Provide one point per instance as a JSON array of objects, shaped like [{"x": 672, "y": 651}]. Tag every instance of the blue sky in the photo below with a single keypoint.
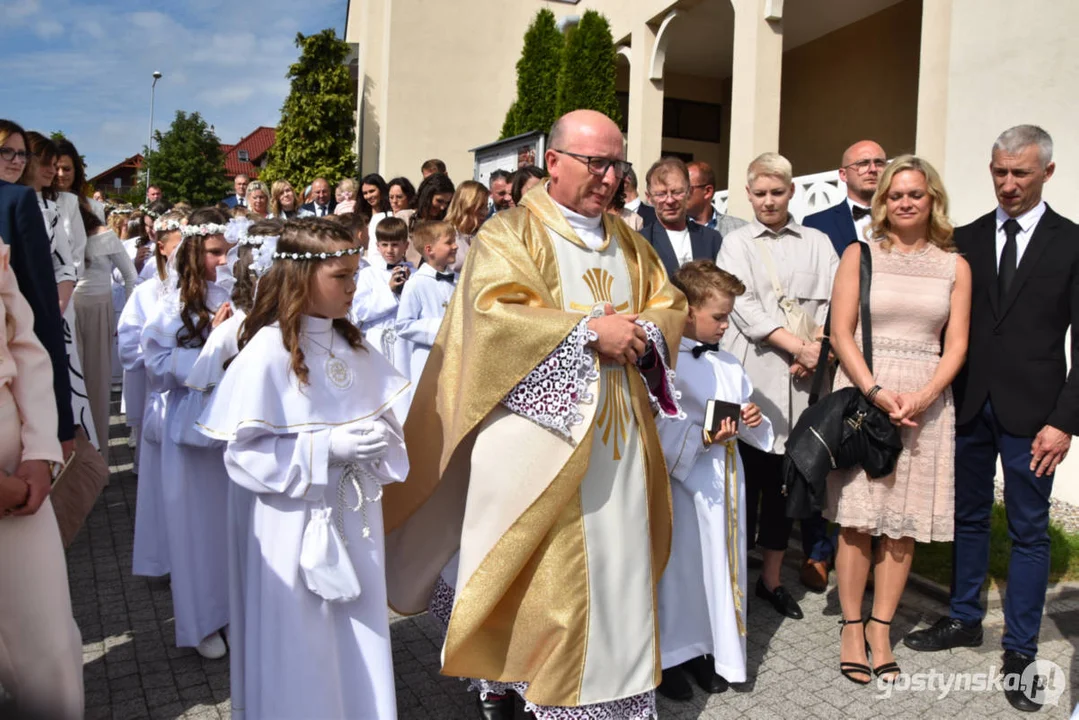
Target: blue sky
[{"x": 84, "y": 66}]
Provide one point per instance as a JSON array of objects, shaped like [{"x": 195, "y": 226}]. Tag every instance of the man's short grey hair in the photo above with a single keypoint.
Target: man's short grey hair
[
  {"x": 1016, "y": 139},
  {"x": 556, "y": 137}
]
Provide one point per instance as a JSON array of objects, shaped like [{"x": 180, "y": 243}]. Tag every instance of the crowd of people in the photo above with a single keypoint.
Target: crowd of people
[{"x": 546, "y": 411}]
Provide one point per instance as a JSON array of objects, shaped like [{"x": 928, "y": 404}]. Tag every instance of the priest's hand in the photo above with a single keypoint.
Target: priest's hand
[{"x": 619, "y": 338}]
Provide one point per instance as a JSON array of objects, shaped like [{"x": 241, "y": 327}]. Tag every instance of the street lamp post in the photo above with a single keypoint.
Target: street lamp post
[{"x": 150, "y": 146}]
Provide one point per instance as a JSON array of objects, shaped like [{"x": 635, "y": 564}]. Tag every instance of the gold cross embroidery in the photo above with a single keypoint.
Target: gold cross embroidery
[{"x": 599, "y": 282}]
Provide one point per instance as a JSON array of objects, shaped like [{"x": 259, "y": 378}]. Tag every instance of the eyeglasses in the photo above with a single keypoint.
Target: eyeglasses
[
  {"x": 862, "y": 166},
  {"x": 662, "y": 196},
  {"x": 11, "y": 154},
  {"x": 600, "y": 165}
]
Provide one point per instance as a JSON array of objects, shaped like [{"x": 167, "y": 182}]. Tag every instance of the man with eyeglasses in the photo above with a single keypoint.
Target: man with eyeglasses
[
  {"x": 702, "y": 191},
  {"x": 862, "y": 165},
  {"x": 676, "y": 238},
  {"x": 536, "y": 507}
]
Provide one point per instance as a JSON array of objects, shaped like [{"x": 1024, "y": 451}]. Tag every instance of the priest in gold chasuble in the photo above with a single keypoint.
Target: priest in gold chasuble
[{"x": 537, "y": 479}]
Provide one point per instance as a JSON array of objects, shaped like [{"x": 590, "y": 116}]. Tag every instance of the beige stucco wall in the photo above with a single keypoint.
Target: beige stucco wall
[
  {"x": 860, "y": 81},
  {"x": 1002, "y": 64}
]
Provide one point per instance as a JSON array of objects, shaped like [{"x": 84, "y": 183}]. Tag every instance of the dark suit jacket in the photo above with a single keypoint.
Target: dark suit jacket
[
  {"x": 232, "y": 200},
  {"x": 23, "y": 229},
  {"x": 310, "y": 207},
  {"x": 704, "y": 241},
  {"x": 647, "y": 213},
  {"x": 1016, "y": 355},
  {"x": 837, "y": 223}
]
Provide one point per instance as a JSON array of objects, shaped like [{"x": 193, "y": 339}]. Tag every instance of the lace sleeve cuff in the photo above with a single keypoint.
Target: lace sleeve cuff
[
  {"x": 552, "y": 393},
  {"x": 655, "y": 369}
]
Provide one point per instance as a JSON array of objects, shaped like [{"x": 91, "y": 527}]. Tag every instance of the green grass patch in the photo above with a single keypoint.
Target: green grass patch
[{"x": 934, "y": 560}]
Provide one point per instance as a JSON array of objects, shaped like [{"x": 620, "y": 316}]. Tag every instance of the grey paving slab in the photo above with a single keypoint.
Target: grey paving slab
[{"x": 133, "y": 670}]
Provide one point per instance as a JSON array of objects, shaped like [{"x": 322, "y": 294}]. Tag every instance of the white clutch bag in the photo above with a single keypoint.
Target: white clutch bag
[{"x": 324, "y": 561}]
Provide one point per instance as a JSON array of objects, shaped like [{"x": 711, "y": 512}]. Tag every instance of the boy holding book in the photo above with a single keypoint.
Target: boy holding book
[{"x": 702, "y": 592}]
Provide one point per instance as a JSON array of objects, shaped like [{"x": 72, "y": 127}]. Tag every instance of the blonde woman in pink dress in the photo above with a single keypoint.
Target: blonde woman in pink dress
[{"x": 920, "y": 306}]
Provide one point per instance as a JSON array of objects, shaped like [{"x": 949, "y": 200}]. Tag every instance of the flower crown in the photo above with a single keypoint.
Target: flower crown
[
  {"x": 206, "y": 229},
  {"x": 316, "y": 256},
  {"x": 169, "y": 225},
  {"x": 236, "y": 234},
  {"x": 145, "y": 209}
]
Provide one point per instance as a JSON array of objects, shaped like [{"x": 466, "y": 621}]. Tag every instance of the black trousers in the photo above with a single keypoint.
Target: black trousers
[{"x": 769, "y": 528}]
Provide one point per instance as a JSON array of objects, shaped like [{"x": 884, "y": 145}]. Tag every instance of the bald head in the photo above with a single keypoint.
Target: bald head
[
  {"x": 575, "y": 135},
  {"x": 860, "y": 169}
]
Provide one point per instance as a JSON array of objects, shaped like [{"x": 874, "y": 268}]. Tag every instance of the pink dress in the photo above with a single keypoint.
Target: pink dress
[{"x": 910, "y": 301}]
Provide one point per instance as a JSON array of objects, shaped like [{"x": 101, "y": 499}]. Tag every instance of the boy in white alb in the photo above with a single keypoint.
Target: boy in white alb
[
  {"x": 378, "y": 293},
  {"x": 702, "y": 591},
  {"x": 425, "y": 298}
]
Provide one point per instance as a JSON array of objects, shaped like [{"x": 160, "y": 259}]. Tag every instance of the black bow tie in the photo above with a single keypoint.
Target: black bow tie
[
  {"x": 448, "y": 277},
  {"x": 703, "y": 348},
  {"x": 859, "y": 212}
]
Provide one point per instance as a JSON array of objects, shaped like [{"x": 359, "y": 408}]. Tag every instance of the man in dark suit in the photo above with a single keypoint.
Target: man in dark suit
[
  {"x": 239, "y": 184},
  {"x": 861, "y": 167},
  {"x": 1014, "y": 399},
  {"x": 676, "y": 239},
  {"x": 23, "y": 229},
  {"x": 322, "y": 200}
]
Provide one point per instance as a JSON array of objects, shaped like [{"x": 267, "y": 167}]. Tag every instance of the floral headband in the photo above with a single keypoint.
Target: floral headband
[
  {"x": 236, "y": 234},
  {"x": 316, "y": 256},
  {"x": 263, "y": 252},
  {"x": 205, "y": 229},
  {"x": 145, "y": 209},
  {"x": 169, "y": 225}
]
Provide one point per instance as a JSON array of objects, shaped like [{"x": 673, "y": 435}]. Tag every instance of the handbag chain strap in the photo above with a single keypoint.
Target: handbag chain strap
[{"x": 865, "y": 279}]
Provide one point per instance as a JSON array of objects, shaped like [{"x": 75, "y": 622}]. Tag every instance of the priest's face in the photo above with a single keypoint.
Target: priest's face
[
  {"x": 332, "y": 287},
  {"x": 587, "y": 140},
  {"x": 710, "y": 320}
]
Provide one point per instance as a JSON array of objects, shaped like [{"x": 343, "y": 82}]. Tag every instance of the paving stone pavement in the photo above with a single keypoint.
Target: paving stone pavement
[{"x": 133, "y": 669}]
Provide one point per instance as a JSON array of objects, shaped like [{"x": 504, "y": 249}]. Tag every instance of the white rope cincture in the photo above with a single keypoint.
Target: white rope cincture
[{"x": 357, "y": 477}]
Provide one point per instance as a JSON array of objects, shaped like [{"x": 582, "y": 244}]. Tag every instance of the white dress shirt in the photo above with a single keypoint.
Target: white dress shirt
[
  {"x": 861, "y": 223},
  {"x": 1027, "y": 222}
]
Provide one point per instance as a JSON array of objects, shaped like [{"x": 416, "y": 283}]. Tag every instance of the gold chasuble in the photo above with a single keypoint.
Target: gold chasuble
[{"x": 562, "y": 537}]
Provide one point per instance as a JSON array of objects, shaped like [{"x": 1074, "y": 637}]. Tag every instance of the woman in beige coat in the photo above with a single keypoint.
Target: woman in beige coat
[{"x": 40, "y": 645}]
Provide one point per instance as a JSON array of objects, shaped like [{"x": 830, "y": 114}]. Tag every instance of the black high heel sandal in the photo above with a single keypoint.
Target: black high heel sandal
[
  {"x": 885, "y": 668},
  {"x": 851, "y": 669}
]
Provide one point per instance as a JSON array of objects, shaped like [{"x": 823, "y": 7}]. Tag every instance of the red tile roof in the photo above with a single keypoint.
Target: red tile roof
[
  {"x": 135, "y": 161},
  {"x": 256, "y": 144}
]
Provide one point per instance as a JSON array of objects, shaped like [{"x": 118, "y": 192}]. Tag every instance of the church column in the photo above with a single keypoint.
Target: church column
[
  {"x": 645, "y": 121},
  {"x": 755, "y": 86},
  {"x": 933, "y": 72}
]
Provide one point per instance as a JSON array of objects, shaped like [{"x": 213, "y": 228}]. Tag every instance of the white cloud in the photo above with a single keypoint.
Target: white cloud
[
  {"x": 19, "y": 9},
  {"x": 48, "y": 29}
]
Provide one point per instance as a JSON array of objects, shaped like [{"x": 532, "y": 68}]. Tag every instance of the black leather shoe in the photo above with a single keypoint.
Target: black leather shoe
[
  {"x": 780, "y": 599},
  {"x": 703, "y": 671},
  {"x": 945, "y": 634},
  {"x": 675, "y": 685},
  {"x": 1014, "y": 664},
  {"x": 496, "y": 707}
]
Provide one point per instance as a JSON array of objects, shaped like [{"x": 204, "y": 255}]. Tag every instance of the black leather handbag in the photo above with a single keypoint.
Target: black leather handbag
[{"x": 841, "y": 430}]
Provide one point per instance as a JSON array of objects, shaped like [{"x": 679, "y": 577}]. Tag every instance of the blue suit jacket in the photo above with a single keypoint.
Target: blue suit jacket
[
  {"x": 837, "y": 223},
  {"x": 23, "y": 229},
  {"x": 231, "y": 200},
  {"x": 704, "y": 241}
]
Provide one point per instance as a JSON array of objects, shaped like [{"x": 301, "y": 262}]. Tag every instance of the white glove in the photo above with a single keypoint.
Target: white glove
[{"x": 359, "y": 442}]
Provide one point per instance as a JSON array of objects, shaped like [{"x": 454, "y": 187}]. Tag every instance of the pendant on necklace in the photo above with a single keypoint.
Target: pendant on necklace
[{"x": 338, "y": 373}]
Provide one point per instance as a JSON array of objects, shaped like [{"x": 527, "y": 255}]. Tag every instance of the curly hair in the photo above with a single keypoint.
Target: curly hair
[
  {"x": 243, "y": 292},
  {"x": 469, "y": 198},
  {"x": 940, "y": 230},
  {"x": 285, "y": 291},
  {"x": 195, "y": 315}
]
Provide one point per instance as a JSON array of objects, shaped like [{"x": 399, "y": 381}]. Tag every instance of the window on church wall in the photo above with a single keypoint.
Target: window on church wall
[{"x": 682, "y": 119}]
